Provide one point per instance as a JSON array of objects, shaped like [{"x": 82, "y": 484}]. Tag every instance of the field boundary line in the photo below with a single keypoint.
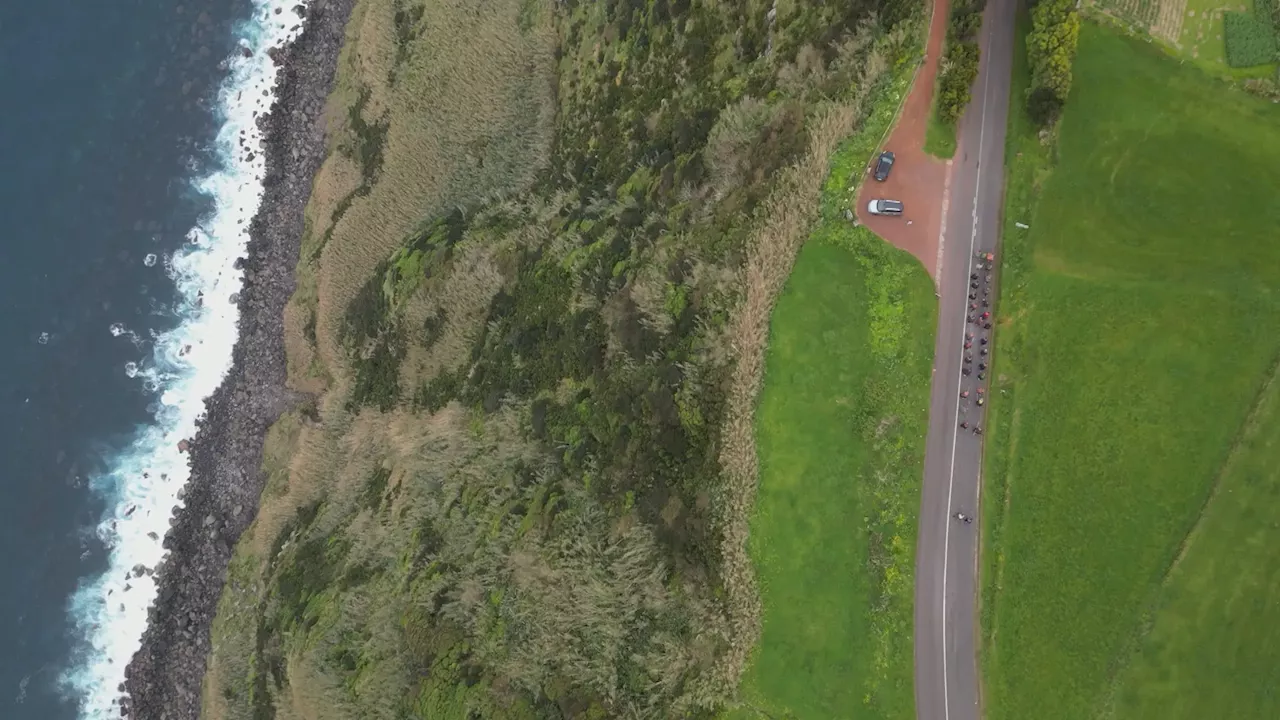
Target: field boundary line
[{"x": 1247, "y": 429}]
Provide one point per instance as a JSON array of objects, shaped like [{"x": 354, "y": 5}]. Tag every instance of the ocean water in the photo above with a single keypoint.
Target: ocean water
[{"x": 126, "y": 186}]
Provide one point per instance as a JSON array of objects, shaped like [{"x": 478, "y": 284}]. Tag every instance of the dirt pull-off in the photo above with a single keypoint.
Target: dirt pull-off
[{"x": 918, "y": 179}]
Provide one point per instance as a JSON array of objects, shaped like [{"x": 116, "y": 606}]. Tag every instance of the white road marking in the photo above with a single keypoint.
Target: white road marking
[{"x": 955, "y": 424}]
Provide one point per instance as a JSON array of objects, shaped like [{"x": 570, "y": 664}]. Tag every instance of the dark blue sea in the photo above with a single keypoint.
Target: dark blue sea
[{"x": 124, "y": 195}]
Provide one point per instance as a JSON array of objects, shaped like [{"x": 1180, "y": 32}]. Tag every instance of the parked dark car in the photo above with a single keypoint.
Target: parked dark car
[
  {"x": 883, "y": 165},
  {"x": 885, "y": 207}
]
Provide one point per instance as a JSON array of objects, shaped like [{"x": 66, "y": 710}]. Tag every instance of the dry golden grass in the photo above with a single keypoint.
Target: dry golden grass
[
  {"x": 311, "y": 695},
  {"x": 471, "y": 116},
  {"x": 468, "y": 110},
  {"x": 212, "y": 704},
  {"x": 307, "y": 477},
  {"x": 788, "y": 214},
  {"x": 464, "y": 294}
]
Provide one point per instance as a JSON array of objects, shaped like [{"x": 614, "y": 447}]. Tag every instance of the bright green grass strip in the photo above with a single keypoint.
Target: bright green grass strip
[
  {"x": 1140, "y": 323},
  {"x": 841, "y": 431},
  {"x": 939, "y": 138},
  {"x": 1026, "y": 165},
  {"x": 809, "y": 555},
  {"x": 841, "y": 427}
]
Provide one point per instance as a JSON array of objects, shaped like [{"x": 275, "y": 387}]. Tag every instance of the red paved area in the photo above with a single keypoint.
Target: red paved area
[{"x": 918, "y": 179}]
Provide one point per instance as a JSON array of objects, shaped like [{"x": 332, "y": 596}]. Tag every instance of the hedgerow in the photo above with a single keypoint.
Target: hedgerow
[
  {"x": 960, "y": 61},
  {"x": 1051, "y": 50}
]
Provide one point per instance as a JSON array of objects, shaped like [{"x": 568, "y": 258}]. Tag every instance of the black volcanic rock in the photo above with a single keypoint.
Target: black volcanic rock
[{"x": 163, "y": 680}]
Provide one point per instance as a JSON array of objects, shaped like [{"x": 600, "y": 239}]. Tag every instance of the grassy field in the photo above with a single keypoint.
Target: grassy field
[
  {"x": 840, "y": 427},
  {"x": 1139, "y": 327},
  {"x": 1213, "y": 646}
]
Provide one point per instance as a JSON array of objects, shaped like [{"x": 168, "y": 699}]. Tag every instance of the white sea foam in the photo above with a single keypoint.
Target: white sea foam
[{"x": 186, "y": 365}]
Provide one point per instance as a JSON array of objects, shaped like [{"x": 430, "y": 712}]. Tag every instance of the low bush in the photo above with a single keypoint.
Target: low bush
[
  {"x": 1266, "y": 88},
  {"x": 960, "y": 60},
  {"x": 966, "y": 20},
  {"x": 1249, "y": 41},
  {"x": 959, "y": 70}
]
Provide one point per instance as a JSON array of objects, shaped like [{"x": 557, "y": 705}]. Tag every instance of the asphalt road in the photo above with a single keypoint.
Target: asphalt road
[{"x": 947, "y": 551}]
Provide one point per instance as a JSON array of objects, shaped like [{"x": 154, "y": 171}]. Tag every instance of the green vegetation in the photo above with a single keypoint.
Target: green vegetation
[
  {"x": 538, "y": 267},
  {"x": 939, "y": 137},
  {"x": 841, "y": 429},
  {"x": 960, "y": 62},
  {"x": 1139, "y": 336},
  {"x": 1268, "y": 12},
  {"x": 1249, "y": 40},
  {"x": 1211, "y": 647},
  {"x": 1051, "y": 49}
]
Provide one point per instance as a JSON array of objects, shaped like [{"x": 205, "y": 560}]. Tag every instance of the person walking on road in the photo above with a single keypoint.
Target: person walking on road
[{"x": 963, "y": 518}]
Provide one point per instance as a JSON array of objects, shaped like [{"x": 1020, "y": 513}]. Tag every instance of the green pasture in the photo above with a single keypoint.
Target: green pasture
[
  {"x": 1140, "y": 323},
  {"x": 840, "y": 428}
]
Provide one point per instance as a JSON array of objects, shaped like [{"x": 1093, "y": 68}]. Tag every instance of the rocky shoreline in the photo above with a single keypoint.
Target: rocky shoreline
[{"x": 163, "y": 680}]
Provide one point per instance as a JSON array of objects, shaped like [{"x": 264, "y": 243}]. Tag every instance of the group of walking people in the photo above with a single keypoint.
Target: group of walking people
[
  {"x": 977, "y": 338},
  {"x": 977, "y": 349}
]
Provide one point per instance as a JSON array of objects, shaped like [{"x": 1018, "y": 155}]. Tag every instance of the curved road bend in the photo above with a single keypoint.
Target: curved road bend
[{"x": 947, "y": 550}]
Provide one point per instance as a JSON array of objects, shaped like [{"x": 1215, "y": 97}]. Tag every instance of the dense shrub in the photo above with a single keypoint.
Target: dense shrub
[
  {"x": 960, "y": 61},
  {"x": 1043, "y": 105},
  {"x": 1267, "y": 11},
  {"x": 966, "y": 20},
  {"x": 1051, "y": 49},
  {"x": 1249, "y": 41},
  {"x": 959, "y": 69}
]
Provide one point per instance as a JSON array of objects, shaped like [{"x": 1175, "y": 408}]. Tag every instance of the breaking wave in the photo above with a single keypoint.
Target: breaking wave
[{"x": 141, "y": 487}]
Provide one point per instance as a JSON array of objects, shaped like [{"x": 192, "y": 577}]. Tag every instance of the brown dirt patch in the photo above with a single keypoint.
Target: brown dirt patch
[{"x": 918, "y": 179}]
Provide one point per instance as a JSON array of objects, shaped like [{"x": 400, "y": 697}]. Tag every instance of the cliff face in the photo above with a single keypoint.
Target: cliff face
[
  {"x": 512, "y": 288},
  {"x": 163, "y": 680}
]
